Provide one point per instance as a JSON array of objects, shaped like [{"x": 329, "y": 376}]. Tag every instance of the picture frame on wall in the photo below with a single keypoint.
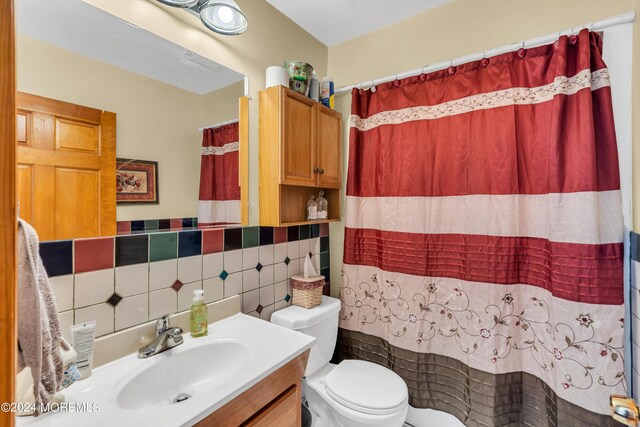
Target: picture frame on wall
[{"x": 136, "y": 182}]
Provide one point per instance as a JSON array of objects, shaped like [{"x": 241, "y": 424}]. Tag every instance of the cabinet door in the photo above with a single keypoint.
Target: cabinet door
[
  {"x": 329, "y": 148},
  {"x": 282, "y": 412},
  {"x": 298, "y": 133}
]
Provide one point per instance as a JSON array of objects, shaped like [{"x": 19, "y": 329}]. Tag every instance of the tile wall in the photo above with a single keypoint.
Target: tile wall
[
  {"x": 127, "y": 280},
  {"x": 635, "y": 315}
]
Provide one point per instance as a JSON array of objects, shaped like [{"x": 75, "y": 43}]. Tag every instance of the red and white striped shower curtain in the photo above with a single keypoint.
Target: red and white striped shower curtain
[
  {"x": 219, "y": 179},
  {"x": 483, "y": 256}
]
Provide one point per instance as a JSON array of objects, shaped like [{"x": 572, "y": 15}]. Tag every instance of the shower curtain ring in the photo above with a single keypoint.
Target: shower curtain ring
[
  {"x": 452, "y": 70},
  {"x": 373, "y": 86},
  {"x": 423, "y": 77}
]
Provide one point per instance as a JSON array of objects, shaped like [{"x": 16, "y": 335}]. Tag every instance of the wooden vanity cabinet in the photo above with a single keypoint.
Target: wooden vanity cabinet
[
  {"x": 274, "y": 401},
  {"x": 300, "y": 154}
]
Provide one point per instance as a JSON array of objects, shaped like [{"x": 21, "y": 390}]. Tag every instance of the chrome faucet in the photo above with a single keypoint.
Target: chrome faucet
[{"x": 166, "y": 337}]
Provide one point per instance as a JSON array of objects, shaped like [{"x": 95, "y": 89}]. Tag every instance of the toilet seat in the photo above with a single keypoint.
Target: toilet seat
[{"x": 366, "y": 387}]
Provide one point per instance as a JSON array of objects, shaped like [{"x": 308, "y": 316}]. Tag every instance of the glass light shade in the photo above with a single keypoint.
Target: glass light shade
[
  {"x": 223, "y": 17},
  {"x": 179, "y": 3}
]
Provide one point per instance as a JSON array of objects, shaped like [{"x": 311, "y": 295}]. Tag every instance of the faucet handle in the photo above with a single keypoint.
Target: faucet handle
[{"x": 163, "y": 324}]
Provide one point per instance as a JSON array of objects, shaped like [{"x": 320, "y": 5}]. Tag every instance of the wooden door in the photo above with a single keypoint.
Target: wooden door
[
  {"x": 298, "y": 135},
  {"x": 329, "y": 148},
  {"x": 8, "y": 225},
  {"x": 66, "y": 168}
]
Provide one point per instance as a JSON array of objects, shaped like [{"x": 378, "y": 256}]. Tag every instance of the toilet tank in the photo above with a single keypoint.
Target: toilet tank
[{"x": 320, "y": 322}]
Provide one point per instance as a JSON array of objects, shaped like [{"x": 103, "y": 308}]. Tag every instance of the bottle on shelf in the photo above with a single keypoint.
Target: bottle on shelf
[
  {"x": 312, "y": 209},
  {"x": 323, "y": 212},
  {"x": 314, "y": 87}
]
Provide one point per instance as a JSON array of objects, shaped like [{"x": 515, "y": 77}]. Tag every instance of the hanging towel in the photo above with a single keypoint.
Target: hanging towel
[{"x": 38, "y": 323}]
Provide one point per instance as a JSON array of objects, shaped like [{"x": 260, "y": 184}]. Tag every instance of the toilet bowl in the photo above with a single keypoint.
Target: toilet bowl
[{"x": 353, "y": 393}]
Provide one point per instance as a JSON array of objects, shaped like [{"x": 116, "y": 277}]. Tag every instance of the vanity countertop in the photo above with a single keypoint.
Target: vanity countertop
[{"x": 240, "y": 351}]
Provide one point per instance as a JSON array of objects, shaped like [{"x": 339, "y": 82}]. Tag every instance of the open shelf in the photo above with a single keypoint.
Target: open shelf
[
  {"x": 293, "y": 204},
  {"x": 318, "y": 221}
]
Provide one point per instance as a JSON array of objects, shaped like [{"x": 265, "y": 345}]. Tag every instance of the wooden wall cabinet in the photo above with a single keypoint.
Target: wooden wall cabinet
[
  {"x": 274, "y": 401},
  {"x": 300, "y": 154}
]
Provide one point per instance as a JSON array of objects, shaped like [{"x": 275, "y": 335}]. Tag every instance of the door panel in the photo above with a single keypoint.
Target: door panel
[
  {"x": 22, "y": 130},
  {"x": 24, "y": 187},
  {"x": 67, "y": 167},
  {"x": 76, "y": 136},
  {"x": 77, "y": 203},
  {"x": 43, "y": 128},
  {"x": 297, "y": 140},
  {"x": 329, "y": 148}
]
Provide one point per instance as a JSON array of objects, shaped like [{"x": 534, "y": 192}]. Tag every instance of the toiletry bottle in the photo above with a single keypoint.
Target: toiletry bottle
[
  {"x": 312, "y": 209},
  {"x": 323, "y": 212},
  {"x": 198, "y": 315},
  {"x": 327, "y": 92},
  {"x": 314, "y": 87}
]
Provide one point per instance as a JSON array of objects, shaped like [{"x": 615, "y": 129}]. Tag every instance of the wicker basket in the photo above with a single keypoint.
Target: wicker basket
[{"x": 307, "y": 293}]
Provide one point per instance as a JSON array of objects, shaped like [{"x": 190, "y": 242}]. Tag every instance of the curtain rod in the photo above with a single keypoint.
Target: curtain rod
[
  {"x": 625, "y": 18},
  {"x": 217, "y": 125}
]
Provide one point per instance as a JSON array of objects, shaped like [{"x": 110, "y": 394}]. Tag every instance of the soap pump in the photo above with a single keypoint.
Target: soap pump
[{"x": 198, "y": 315}]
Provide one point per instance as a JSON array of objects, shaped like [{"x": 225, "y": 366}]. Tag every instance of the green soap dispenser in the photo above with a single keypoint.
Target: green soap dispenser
[{"x": 198, "y": 315}]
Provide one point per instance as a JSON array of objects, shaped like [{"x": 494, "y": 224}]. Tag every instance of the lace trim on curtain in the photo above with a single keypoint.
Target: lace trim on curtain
[
  {"x": 219, "y": 151},
  {"x": 561, "y": 85}
]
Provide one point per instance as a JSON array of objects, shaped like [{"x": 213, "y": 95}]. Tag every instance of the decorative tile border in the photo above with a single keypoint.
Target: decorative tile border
[
  {"x": 156, "y": 225},
  {"x": 128, "y": 280}
]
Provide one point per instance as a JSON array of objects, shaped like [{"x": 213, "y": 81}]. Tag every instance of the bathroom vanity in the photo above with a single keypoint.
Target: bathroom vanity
[{"x": 245, "y": 372}]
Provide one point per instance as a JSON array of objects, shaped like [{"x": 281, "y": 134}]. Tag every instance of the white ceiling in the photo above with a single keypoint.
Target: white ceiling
[
  {"x": 336, "y": 21},
  {"x": 76, "y": 26}
]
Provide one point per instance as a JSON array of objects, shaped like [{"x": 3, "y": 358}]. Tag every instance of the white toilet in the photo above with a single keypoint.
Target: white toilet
[{"x": 353, "y": 393}]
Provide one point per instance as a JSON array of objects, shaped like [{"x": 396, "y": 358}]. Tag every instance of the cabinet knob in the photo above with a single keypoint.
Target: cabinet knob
[
  {"x": 316, "y": 170},
  {"x": 321, "y": 171}
]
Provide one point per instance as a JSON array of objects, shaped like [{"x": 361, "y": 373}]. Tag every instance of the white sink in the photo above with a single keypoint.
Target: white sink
[
  {"x": 238, "y": 353},
  {"x": 186, "y": 373}
]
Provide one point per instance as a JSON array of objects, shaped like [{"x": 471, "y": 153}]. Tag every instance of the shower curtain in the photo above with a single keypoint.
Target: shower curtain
[
  {"x": 483, "y": 256},
  {"x": 219, "y": 179}
]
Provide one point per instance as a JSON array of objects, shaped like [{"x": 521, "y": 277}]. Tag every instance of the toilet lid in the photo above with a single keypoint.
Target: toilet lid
[{"x": 366, "y": 387}]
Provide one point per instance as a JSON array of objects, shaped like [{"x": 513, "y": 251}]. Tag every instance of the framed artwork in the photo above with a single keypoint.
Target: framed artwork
[{"x": 136, "y": 181}]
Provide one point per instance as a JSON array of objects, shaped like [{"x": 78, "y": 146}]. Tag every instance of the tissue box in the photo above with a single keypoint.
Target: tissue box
[{"x": 307, "y": 292}]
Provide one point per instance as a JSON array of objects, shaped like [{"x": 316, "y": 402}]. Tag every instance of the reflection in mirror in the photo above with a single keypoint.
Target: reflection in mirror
[{"x": 96, "y": 94}]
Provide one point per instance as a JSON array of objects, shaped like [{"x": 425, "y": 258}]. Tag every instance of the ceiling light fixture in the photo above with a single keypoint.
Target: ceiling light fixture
[
  {"x": 179, "y": 3},
  {"x": 221, "y": 16}
]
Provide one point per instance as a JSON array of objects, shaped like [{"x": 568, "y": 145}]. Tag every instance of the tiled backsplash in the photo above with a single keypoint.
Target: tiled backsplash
[{"x": 124, "y": 281}]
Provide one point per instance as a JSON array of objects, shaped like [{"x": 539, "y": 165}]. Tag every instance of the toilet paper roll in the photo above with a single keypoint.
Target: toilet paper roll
[{"x": 277, "y": 75}]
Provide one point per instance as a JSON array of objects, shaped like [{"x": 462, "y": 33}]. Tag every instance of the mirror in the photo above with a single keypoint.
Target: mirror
[{"x": 98, "y": 98}]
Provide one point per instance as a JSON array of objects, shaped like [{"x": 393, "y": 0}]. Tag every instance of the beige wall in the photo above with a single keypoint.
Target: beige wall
[
  {"x": 221, "y": 105},
  {"x": 155, "y": 121},
  {"x": 457, "y": 29},
  {"x": 271, "y": 39}
]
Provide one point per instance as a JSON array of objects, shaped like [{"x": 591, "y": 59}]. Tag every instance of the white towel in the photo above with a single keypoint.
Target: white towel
[{"x": 38, "y": 323}]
